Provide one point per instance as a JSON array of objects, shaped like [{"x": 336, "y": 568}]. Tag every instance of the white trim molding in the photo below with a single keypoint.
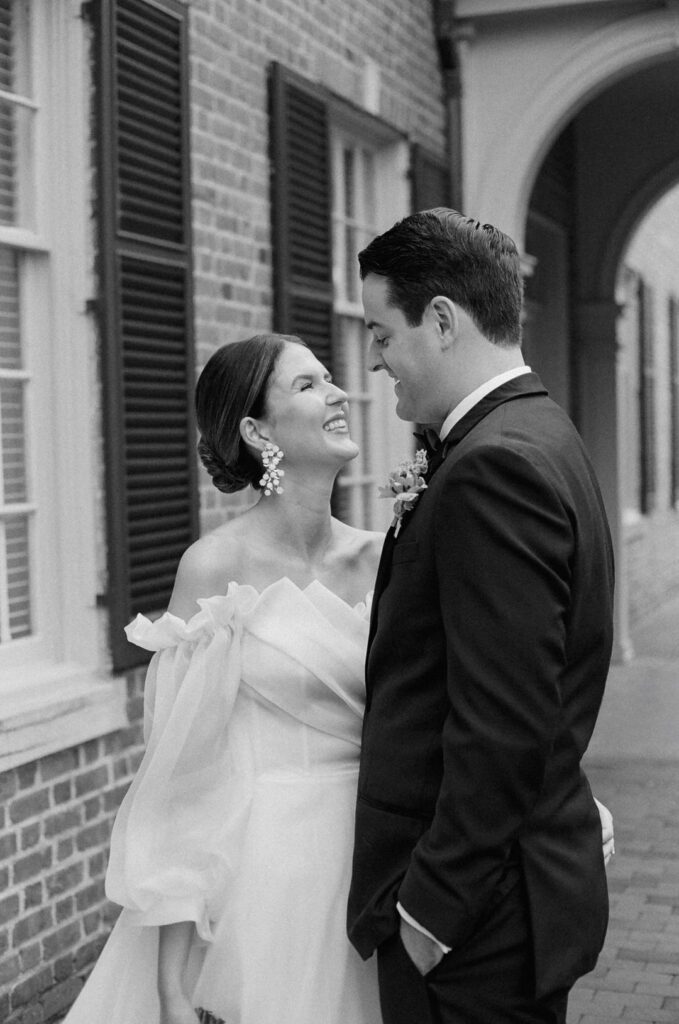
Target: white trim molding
[{"x": 501, "y": 169}]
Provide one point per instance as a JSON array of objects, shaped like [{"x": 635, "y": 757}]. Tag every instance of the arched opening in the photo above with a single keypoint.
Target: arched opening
[
  {"x": 648, "y": 411},
  {"x": 608, "y": 165}
]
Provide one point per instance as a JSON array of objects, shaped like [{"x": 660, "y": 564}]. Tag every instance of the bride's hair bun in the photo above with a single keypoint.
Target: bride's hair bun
[
  {"x": 225, "y": 478},
  {"x": 234, "y": 384}
]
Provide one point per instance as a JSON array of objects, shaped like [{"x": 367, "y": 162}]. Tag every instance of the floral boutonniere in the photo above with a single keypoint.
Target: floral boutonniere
[{"x": 406, "y": 484}]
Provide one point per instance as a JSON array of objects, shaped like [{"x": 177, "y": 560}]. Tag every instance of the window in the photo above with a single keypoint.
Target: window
[
  {"x": 359, "y": 169},
  {"x": 18, "y": 248},
  {"x": 340, "y": 176},
  {"x": 54, "y": 668}
]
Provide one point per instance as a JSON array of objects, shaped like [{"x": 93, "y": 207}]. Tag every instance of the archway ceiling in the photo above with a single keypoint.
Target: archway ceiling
[{"x": 628, "y": 156}]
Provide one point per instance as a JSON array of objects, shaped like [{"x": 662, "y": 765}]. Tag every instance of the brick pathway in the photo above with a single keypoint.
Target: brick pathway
[{"x": 637, "y": 977}]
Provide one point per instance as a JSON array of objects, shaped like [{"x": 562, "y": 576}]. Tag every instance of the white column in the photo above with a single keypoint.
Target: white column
[{"x": 598, "y": 422}]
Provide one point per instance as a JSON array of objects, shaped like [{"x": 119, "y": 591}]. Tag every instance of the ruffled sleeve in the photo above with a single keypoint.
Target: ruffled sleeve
[{"x": 167, "y": 863}]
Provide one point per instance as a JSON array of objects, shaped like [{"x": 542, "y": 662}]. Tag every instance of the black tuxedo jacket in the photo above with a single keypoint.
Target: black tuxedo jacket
[{"x": 489, "y": 648}]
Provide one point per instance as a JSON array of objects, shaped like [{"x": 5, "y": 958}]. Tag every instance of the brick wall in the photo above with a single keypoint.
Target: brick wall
[
  {"x": 55, "y": 822},
  {"x": 234, "y": 41}
]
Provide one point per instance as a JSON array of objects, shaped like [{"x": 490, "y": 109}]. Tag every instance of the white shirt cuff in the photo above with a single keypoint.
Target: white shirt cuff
[{"x": 411, "y": 920}]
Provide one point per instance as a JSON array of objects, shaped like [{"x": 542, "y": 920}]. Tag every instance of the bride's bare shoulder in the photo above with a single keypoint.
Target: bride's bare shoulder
[{"x": 206, "y": 568}]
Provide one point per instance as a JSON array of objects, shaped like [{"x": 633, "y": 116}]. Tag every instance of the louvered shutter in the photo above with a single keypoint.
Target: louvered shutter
[
  {"x": 647, "y": 398},
  {"x": 145, "y": 263},
  {"x": 430, "y": 179},
  {"x": 301, "y": 212},
  {"x": 673, "y": 380}
]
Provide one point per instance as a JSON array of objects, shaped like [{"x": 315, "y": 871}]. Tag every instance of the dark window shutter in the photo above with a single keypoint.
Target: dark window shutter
[
  {"x": 646, "y": 398},
  {"x": 146, "y": 314},
  {"x": 673, "y": 381},
  {"x": 301, "y": 212},
  {"x": 430, "y": 179}
]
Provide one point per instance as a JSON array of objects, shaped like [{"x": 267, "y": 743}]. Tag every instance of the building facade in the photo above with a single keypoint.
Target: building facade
[{"x": 179, "y": 175}]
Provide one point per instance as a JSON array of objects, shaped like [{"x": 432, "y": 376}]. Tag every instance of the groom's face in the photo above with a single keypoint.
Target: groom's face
[{"x": 409, "y": 355}]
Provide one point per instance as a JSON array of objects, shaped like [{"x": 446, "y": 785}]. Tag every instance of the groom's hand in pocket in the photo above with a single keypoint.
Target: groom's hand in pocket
[{"x": 423, "y": 951}]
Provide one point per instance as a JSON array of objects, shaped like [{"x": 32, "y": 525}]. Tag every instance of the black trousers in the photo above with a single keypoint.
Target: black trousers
[{"x": 489, "y": 981}]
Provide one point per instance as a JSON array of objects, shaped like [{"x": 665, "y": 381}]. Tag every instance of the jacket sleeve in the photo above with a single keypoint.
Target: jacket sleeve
[{"x": 503, "y": 541}]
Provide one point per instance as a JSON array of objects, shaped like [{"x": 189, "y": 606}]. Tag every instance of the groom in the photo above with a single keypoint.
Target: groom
[{"x": 478, "y": 873}]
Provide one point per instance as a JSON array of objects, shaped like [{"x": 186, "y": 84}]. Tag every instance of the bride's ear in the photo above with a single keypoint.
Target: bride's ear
[{"x": 251, "y": 432}]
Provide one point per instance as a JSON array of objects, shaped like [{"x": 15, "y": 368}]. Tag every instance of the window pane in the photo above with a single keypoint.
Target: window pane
[
  {"x": 15, "y": 612},
  {"x": 10, "y": 343},
  {"x": 12, "y": 434},
  {"x": 18, "y": 583},
  {"x": 16, "y": 119}
]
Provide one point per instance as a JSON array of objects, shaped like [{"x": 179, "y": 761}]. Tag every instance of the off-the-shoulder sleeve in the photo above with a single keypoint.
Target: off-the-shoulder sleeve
[{"x": 167, "y": 863}]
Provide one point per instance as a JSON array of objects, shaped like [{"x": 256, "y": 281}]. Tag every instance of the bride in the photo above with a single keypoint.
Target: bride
[{"x": 231, "y": 852}]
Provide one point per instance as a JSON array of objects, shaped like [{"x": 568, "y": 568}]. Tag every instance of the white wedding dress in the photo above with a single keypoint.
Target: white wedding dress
[{"x": 240, "y": 817}]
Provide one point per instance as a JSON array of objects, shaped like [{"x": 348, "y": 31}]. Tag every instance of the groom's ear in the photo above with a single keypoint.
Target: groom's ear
[{"x": 446, "y": 319}]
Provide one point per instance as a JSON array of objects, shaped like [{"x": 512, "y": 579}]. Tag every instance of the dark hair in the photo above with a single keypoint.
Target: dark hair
[
  {"x": 441, "y": 252},
  {"x": 234, "y": 383}
]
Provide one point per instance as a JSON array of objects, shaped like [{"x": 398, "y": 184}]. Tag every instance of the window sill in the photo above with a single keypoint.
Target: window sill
[{"x": 62, "y": 706}]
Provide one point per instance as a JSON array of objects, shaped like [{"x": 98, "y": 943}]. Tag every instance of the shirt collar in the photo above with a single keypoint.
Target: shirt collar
[{"x": 463, "y": 407}]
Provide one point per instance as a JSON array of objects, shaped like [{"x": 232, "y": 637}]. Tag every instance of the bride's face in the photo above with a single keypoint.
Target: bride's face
[{"x": 307, "y": 415}]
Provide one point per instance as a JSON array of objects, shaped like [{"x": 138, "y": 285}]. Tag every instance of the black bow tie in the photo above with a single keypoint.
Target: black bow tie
[{"x": 430, "y": 441}]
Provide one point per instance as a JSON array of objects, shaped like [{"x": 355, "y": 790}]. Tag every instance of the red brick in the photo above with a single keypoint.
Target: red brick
[
  {"x": 58, "y": 764},
  {"x": 60, "y": 998},
  {"x": 95, "y": 779},
  {"x": 26, "y": 775},
  {"x": 65, "y": 848},
  {"x": 8, "y": 845},
  {"x": 91, "y": 751},
  {"x": 92, "y": 807},
  {"x": 30, "y": 835},
  {"x": 10, "y": 969},
  {"x": 63, "y": 909},
  {"x": 29, "y": 1015},
  {"x": 29, "y": 806},
  {"x": 27, "y": 990},
  {"x": 97, "y": 864},
  {"x": 30, "y": 956},
  {"x": 94, "y": 835},
  {"x": 62, "y": 821},
  {"x": 9, "y": 908},
  {"x": 31, "y": 925},
  {"x": 33, "y": 864},
  {"x": 114, "y": 797},
  {"x": 62, "y": 792},
  {"x": 91, "y": 894},
  {"x": 91, "y": 921},
  {"x": 65, "y": 879},
  {"x": 88, "y": 953},
  {"x": 58, "y": 942},
  {"x": 33, "y": 895}
]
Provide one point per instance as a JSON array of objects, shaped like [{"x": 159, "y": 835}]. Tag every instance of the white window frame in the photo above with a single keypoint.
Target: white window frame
[
  {"x": 387, "y": 439},
  {"x": 55, "y": 688}
]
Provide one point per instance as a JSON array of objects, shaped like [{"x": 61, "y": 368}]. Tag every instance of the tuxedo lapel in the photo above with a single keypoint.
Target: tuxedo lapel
[
  {"x": 383, "y": 573},
  {"x": 526, "y": 385}
]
